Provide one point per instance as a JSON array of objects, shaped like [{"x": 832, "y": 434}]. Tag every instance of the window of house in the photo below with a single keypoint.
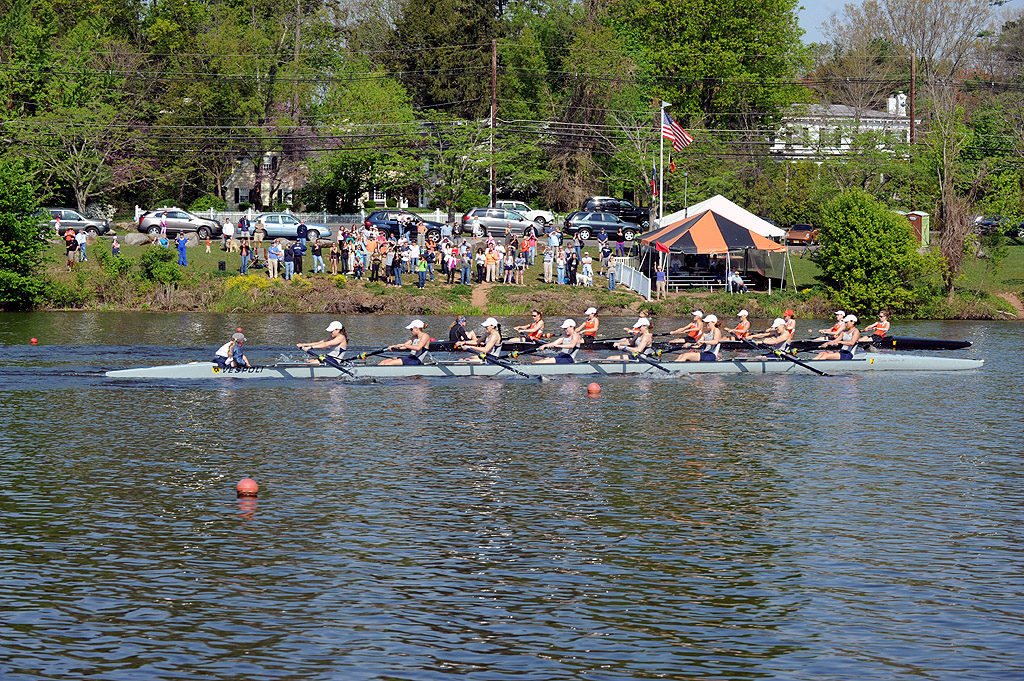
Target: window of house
[{"x": 380, "y": 195}]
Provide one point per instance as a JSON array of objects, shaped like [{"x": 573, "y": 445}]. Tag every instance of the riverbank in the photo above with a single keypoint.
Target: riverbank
[{"x": 107, "y": 283}]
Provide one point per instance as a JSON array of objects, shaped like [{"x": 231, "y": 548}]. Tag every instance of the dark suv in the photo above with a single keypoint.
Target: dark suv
[
  {"x": 391, "y": 222},
  {"x": 620, "y": 207}
]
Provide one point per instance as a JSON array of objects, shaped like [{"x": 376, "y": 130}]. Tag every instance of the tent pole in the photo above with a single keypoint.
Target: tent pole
[{"x": 728, "y": 271}]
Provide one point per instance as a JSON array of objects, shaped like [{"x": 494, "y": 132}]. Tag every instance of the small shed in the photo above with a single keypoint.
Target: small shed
[{"x": 920, "y": 222}]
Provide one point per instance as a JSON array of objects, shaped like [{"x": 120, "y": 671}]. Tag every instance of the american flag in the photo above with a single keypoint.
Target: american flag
[{"x": 671, "y": 130}]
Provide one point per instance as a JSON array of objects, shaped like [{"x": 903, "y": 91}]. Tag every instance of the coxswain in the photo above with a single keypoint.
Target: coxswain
[
  {"x": 777, "y": 337},
  {"x": 337, "y": 342},
  {"x": 830, "y": 334},
  {"x": 742, "y": 328},
  {"x": 458, "y": 333},
  {"x": 845, "y": 343},
  {"x": 418, "y": 346},
  {"x": 533, "y": 331},
  {"x": 590, "y": 327},
  {"x": 567, "y": 346},
  {"x": 693, "y": 330},
  {"x": 710, "y": 343},
  {"x": 490, "y": 346},
  {"x": 230, "y": 354},
  {"x": 790, "y": 318},
  {"x": 879, "y": 328},
  {"x": 640, "y": 344}
]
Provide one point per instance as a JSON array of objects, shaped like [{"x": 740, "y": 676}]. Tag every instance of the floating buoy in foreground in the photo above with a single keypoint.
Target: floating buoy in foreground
[
  {"x": 247, "y": 487},
  {"x": 238, "y": 330},
  {"x": 594, "y": 389},
  {"x": 33, "y": 341}
]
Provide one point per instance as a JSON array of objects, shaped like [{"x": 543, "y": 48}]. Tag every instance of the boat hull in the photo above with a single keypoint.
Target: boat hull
[{"x": 867, "y": 362}]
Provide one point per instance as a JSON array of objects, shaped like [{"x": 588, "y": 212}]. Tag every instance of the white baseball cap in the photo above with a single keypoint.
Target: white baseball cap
[
  {"x": 742, "y": 313},
  {"x": 569, "y": 322},
  {"x": 491, "y": 321},
  {"x": 711, "y": 319},
  {"x": 840, "y": 313},
  {"x": 591, "y": 310},
  {"x": 850, "y": 318},
  {"x": 697, "y": 313},
  {"x": 778, "y": 322},
  {"x": 335, "y": 326},
  {"x": 643, "y": 321},
  {"x": 416, "y": 324}
]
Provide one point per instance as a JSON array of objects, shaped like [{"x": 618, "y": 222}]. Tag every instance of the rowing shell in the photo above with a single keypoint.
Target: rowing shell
[{"x": 871, "y": 362}]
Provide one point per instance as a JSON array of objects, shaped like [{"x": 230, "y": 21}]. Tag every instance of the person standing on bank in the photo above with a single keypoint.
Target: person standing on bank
[{"x": 181, "y": 242}]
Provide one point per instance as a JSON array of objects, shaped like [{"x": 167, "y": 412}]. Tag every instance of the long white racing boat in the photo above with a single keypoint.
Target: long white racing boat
[{"x": 865, "y": 362}]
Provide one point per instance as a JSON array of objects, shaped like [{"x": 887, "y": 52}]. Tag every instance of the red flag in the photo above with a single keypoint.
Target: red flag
[
  {"x": 660, "y": 247},
  {"x": 671, "y": 165},
  {"x": 654, "y": 179}
]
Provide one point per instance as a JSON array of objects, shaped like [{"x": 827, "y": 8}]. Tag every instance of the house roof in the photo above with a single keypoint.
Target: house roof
[{"x": 838, "y": 111}]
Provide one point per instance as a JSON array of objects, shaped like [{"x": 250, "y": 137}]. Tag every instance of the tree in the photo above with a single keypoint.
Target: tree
[
  {"x": 868, "y": 254},
  {"x": 22, "y": 239}
]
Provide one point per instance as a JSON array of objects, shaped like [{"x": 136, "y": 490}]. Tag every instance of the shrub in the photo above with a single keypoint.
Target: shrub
[
  {"x": 339, "y": 280},
  {"x": 100, "y": 211},
  {"x": 206, "y": 202},
  {"x": 159, "y": 265},
  {"x": 391, "y": 203},
  {"x": 868, "y": 255},
  {"x": 248, "y": 282}
]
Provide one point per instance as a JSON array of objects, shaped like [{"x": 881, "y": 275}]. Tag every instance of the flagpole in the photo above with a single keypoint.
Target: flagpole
[{"x": 661, "y": 163}]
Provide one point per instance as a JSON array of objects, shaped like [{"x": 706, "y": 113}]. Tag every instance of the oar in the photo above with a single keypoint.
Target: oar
[
  {"x": 642, "y": 358},
  {"x": 494, "y": 360},
  {"x": 785, "y": 355},
  {"x": 364, "y": 355},
  {"x": 332, "y": 361}
]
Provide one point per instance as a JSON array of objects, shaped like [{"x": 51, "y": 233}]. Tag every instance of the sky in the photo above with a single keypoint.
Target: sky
[{"x": 814, "y": 12}]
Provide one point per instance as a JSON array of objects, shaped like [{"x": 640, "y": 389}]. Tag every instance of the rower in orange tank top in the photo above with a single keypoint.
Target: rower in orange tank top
[
  {"x": 742, "y": 329},
  {"x": 879, "y": 328}
]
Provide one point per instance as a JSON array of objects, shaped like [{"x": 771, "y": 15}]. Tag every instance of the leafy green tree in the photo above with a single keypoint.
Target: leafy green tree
[
  {"x": 868, "y": 254},
  {"x": 21, "y": 238}
]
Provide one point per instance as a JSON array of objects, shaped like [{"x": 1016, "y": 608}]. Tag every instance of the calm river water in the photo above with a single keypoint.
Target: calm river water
[{"x": 747, "y": 527}]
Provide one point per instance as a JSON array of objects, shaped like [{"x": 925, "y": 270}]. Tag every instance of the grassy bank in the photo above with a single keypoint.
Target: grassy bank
[{"x": 102, "y": 283}]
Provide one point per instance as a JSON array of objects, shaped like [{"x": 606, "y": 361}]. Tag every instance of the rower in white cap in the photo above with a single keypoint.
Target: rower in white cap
[
  {"x": 641, "y": 342},
  {"x": 778, "y": 336},
  {"x": 692, "y": 330},
  {"x": 418, "y": 346},
  {"x": 831, "y": 334},
  {"x": 590, "y": 326},
  {"x": 742, "y": 328},
  {"x": 568, "y": 345},
  {"x": 491, "y": 344},
  {"x": 845, "y": 342},
  {"x": 711, "y": 343},
  {"x": 337, "y": 342}
]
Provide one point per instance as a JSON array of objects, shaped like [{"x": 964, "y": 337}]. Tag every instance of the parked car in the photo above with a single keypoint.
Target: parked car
[
  {"x": 586, "y": 224},
  {"x": 72, "y": 219},
  {"x": 802, "y": 235},
  {"x": 284, "y": 225},
  {"x": 391, "y": 221},
  {"x": 1000, "y": 224},
  {"x": 618, "y": 207},
  {"x": 541, "y": 217},
  {"x": 178, "y": 220},
  {"x": 497, "y": 220}
]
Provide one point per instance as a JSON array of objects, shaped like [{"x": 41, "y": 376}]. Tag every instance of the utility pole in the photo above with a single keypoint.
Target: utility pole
[
  {"x": 913, "y": 87},
  {"x": 494, "y": 111}
]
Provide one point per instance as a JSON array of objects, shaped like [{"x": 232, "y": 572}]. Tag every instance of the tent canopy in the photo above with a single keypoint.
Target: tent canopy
[
  {"x": 727, "y": 208},
  {"x": 708, "y": 232}
]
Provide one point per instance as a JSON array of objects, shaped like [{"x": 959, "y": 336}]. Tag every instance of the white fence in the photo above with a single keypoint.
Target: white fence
[{"x": 626, "y": 275}]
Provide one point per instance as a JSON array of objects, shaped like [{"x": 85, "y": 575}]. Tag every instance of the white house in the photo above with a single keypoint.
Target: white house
[{"x": 816, "y": 130}]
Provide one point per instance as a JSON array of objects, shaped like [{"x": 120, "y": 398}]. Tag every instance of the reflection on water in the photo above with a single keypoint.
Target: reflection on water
[{"x": 733, "y": 527}]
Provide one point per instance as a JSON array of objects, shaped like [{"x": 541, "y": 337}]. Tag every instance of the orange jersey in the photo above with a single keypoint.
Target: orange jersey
[
  {"x": 742, "y": 329},
  {"x": 590, "y": 328},
  {"x": 881, "y": 328}
]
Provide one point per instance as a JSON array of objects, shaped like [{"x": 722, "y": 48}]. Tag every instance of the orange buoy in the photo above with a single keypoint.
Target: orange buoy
[
  {"x": 247, "y": 487},
  {"x": 594, "y": 389},
  {"x": 238, "y": 330},
  {"x": 33, "y": 341}
]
